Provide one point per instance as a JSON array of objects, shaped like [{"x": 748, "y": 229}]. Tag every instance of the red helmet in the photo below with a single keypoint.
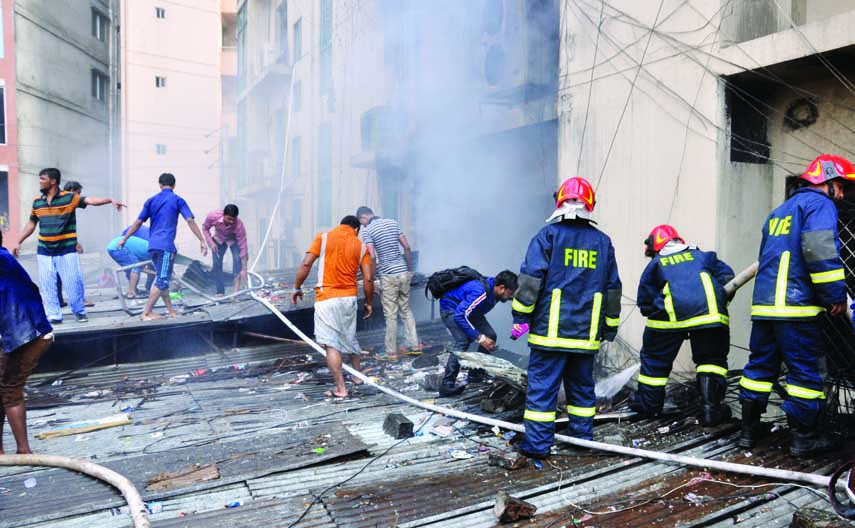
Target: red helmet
[
  {"x": 575, "y": 188},
  {"x": 658, "y": 237},
  {"x": 827, "y": 167}
]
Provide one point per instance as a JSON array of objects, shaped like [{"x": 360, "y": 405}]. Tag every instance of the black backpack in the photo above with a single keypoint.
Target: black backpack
[{"x": 444, "y": 281}]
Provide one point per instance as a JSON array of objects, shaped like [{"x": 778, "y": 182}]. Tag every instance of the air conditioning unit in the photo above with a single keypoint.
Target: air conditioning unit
[{"x": 519, "y": 50}]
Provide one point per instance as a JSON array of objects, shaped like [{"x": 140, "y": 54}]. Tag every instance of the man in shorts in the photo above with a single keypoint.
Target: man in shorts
[
  {"x": 163, "y": 209},
  {"x": 26, "y": 335},
  {"x": 341, "y": 255}
]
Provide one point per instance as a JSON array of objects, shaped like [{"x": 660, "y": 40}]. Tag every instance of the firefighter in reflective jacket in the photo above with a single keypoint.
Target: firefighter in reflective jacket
[
  {"x": 569, "y": 298},
  {"x": 681, "y": 293},
  {"x": 800, "y": 275}
]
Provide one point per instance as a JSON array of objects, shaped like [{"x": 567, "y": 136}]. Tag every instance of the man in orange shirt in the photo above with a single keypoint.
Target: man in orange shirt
[{"x": 341, "y": 255}]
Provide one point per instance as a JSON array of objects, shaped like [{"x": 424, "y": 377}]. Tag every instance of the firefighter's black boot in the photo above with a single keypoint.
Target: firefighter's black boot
[
  {"x": 713, "y": 410},
  {"x": 806, "y": 441},
  {"x": 752, "y": 428}
]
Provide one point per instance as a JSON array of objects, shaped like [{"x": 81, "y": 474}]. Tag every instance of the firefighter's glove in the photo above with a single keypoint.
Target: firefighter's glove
[
  {"x": 518, "y": 330},
  {"x": 609, "y": 334}
]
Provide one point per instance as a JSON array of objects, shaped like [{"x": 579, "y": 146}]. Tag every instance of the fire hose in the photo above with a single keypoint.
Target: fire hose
[
  {"x": 126, "y": 487},
  {"x": 828, "y": 483}
]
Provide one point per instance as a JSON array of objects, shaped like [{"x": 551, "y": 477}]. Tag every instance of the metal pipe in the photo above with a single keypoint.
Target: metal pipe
[{"x": 123, "y": 484}]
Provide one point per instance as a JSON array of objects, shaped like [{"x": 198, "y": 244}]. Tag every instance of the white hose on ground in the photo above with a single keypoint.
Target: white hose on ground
[
  {"x": 129, "y": 492},
  {"x": 778, "y": 474}
]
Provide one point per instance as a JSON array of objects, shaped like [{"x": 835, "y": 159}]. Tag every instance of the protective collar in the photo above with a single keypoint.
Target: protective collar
[{"x": 569, "y": 211}]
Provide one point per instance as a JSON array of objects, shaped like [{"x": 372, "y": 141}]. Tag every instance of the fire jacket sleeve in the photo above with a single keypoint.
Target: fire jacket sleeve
[
  {"x": 470, "y": 301},
  {"x": 821, "y": 250},
  {"x": 613, "y": 295},
  {"x": 532, "y": 272},
  {"x": 648, "y": 290},
  {"x": 722, "y": 273}
]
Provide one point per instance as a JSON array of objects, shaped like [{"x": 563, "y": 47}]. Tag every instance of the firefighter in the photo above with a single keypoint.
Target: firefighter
[
  {"x": 569, "y": 298},
  {"x": 800, "y": 275},
  {"x": 681, "y": 293}
]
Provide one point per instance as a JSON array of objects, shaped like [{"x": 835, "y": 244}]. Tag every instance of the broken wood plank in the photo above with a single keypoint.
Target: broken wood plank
[
  {"x": 185, "y": 476},
  {"x": 87, "y": 427},
  {"x": 509, "y": 509}
]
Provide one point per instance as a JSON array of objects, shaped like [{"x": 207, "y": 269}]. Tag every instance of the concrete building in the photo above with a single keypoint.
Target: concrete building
[
  {"x": 698, "y": 121},
  {"x": 10, "y": 205},
  {"x": 422, "y": 111},
  {"x": 173, "y": 59},
  {"x": 64, "y": 104}
]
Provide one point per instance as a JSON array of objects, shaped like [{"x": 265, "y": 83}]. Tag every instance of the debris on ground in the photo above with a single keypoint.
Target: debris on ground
[
  {"x": 183, "y": 477},
  {"x": 398, "y": 426},
  {"x": 116, "y": 420},
  {"x": 509, "y": 509},
  {"x": 510, "y": 461}
]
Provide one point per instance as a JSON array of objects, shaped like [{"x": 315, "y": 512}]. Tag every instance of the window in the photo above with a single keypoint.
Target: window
[
  {"x": 160, "y": 149},
  {"x": 282, "y": 19},
  {"x": 2, "y": 115},
  {"x": 5, "y": 223},
  {"x": 298, "y": 39},
  {"x": 324, "y": 192},
  {"x": 160, "y": 82},
  {"x": 326, "y": 46},
  {"x": 297, "y": 103},
  {"x": 160, "y": 12},
  {"x": 241, "y": 48},
  {"x": 295, "y": 156},
  {"x": 99, "y": 25},
  {"x": 296, "y": 212},
  {"x": 99, "y": 85}
]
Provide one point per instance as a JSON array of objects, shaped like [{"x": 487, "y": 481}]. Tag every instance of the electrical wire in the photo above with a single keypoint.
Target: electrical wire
[{"x": 628, "y": 96}]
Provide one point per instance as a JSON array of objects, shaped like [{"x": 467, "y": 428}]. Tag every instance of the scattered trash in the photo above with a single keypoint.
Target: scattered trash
[
  {"x": 442, "y": 430},
  {"x": 319, "y": 450},
  {"x": 235, "y": 504},
  {"x": 198, "y": 372},
  {"x": 509, "y": 461},
  {"x": 638, "y": 442},
  {"x": 128, "y": 409},
  {"x": 664, "y": 430},
  {"x": 460, "y": 454},
  {"x": 154, "y": 507},
  {"x": 178, "y": 380},
  {"x": 96, "y": 394},
  {"x": 82, "y": 438},
  {"x": 86, "y": 427},
  {"x": 30, "y": 483},
  {"x": 398, "y": 426},
  {"x": 56, "y": 383},
  {"x": 4, "y": 491},
  {"x": 157, "y": 434},
  {"x": 538, "y": 464}
]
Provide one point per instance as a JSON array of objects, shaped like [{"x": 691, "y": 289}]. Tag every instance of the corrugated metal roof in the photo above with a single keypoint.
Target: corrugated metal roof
[{"x": 411, "y": 483}]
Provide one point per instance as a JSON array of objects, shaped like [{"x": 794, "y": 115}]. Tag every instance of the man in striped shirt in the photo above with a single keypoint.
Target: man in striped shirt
[
  {"x": 55, "y": 213},
  {"x": 385, "y": 242}
]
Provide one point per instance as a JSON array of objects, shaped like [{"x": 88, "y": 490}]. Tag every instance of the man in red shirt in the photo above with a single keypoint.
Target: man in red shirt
[
  {"x": 341, "y": 255},
  {"x": 229, "y": 234}
]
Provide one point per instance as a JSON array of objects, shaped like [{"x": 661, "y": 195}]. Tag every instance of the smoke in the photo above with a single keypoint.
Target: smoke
[{"x": 476, "y": 88}]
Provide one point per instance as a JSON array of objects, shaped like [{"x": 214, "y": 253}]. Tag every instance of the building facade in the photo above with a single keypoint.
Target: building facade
[
  {"x": 64, "y": 106},
  {"x": 695, "y": 115},
  {"x": 173, "y": 63},
  {"x": 10, "y": 205}
]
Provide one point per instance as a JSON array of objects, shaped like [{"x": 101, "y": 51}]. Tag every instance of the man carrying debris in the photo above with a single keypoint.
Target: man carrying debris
[
  {"x": 463, "y": 311},
  {"x": 55, "y": 213},
  {"x": 800, "y": 275},
  {"x": 681, "y": 293},
  {"x": 341, "y": 255},
  {"x": 384, "y": 240},
  {"x": 25, "y": 334},
  {"x": 569, "y": 298},
  {"x": 163, "y": 209},
  {"x": 229, "y": 235}
]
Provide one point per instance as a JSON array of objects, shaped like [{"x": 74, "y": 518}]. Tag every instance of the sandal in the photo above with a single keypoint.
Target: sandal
[{"x": 334, "y": 396}]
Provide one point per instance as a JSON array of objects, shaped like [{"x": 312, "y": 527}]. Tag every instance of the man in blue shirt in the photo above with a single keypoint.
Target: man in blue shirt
[
  {"x": 463, "y": 312},
  {"x": 163, "y": 209},
  {"x": 25, "y": 334},
  {"x": 135, "y": 250}
]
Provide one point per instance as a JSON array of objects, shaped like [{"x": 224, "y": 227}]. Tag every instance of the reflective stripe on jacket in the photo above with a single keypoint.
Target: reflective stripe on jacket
[
  {"x": 800, "y": 271},
  {"x": 684, "y": 290},
  {"x": 569, "y": 288}
]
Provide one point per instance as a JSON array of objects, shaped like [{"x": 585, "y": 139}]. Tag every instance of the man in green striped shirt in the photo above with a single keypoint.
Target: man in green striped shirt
[{"x": 54, "y": 212}]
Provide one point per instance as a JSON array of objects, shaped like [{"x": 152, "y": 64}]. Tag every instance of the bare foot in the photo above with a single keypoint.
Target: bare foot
[
  {"x": 151, "y": 317},
  {"x": 24, "y": 452},
  {"x": 171, "y": 314},
  {"x": 334, "y": 394}
]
